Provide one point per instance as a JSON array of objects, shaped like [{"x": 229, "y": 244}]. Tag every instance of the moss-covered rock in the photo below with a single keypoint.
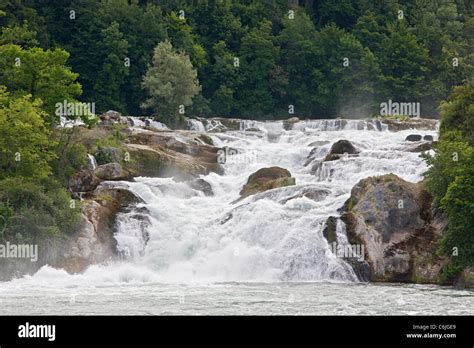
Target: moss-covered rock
[
  {"x": 266, "y": 179},
  {"x": 394, "y": 221}
]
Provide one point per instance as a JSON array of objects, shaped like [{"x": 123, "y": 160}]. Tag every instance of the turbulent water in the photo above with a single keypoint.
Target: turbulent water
[{"x": 188, "y": 253}]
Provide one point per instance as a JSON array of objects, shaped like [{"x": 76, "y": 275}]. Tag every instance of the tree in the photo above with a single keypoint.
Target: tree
[
  {"x": 350, "y": 75},
  {"x": 298, "y": 52},
  {"x": 111, "y": 78},
  {"x": 43, "y": 74},
  {"x": 450, "y": 178},
  {"x": 18, "y": 35},
  {"x": 258, "y": 60},
  {"x": 458, "y": 111},
  {"x": 24, "y": 143},
  {"x": 404, "y": 64},
  {"x": 170, "y": 82}
]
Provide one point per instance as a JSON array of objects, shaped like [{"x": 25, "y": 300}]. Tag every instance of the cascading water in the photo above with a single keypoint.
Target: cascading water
[
  {"x": 276, "y": 237},
  {"x": 187, "y": 253}
]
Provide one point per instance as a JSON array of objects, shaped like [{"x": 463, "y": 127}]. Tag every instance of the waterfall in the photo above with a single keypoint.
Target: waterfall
[
  {"x": 273, "y": 236},
  {"x": 196, "y": 125},
  {"x": 92, "y": 163}
]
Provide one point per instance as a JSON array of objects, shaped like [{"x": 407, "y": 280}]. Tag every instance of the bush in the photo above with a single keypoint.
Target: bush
[{"x": 36, "y": 210}]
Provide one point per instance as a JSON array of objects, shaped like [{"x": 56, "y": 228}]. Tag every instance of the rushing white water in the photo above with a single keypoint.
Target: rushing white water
[
  {"x": 180, "y": 241},
  {"x": 274, "y": 238}
]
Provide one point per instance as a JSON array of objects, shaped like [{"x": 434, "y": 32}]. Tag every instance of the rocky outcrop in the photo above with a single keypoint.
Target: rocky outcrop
[
  {"x": 266, "y": 179},
  {"x": 167, "y": 154},
  {"x": 395, "y": 125},
  {"x": 87, "y": 179},
  {"x": 341, "y": 147},
  {"x": 93, "y": 240},
  {"x": 393, "y": 220}
]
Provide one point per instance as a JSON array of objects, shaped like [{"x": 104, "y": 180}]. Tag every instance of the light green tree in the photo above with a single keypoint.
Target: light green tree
[
  {"x": 24, "y": 141},
  {"x": 171, "y": 83},
  {"x": 43, "y": 74}
]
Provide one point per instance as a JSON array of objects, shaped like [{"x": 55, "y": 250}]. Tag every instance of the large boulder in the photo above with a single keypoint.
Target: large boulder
[
  {"x": 341, "y": 147},
  {"x": 111, "y": 171},
  {"x": 393, "y": 220},
  {"x": 266, "y": 179},
  {"x": 83, "y": 181},
  {"x": 93, "y": 241}
]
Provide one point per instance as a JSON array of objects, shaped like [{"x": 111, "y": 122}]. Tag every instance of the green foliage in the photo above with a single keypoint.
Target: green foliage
[
  {"x": 450, "y": 179},
  {"x": 112, "y": 77},
  {"x": 458, "y": 111},
  {"x": 170, "y": 82},
  {"x": 36, "y": 210},
  {"x": 18, "y": 35},
  {"x": 24, "y": 143},
  {"x": 41, "y": 73},
  {"x": 416, "y": 58}
]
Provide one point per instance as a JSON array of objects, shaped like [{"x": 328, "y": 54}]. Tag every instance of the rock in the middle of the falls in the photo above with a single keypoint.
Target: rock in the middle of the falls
[{"x": 266, "y": 179}]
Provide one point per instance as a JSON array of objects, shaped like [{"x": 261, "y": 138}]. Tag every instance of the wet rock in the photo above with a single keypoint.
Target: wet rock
[
  {"x": 318, "y": 143},
  {"x": 428, "y": 138},
  {"x": 311, "y": 192},
  {"x": 413, "y": 137},
  {"x": 313, "y": 154},
  {"x": 329, "y": 231},
  {"x": 203, "y": 186},
  {"x": 266, "y": 179},
  {"x": 111, "y": 171},
  {"x": 83, "y": 181},
  {"x": 206, "y": 139},
  {"x": 393, "y": 219},
  {"x": 425, "y": 146},
  {"x": 341, "y": 147},
  {"x": 395, "y": 125},
  {"x": 93, "y": 240},
  {"x": 288, "y": 123}
]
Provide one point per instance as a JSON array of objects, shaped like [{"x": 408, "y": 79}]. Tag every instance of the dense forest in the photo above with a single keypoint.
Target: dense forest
[
  {"x": 253, "y": 59},
  {"x": 246, "y": 59}
]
